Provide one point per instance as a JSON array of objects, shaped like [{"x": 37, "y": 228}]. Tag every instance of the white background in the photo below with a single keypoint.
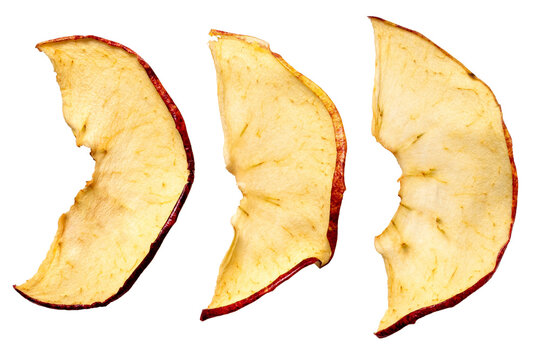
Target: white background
[{"x": 319, "y": 313}]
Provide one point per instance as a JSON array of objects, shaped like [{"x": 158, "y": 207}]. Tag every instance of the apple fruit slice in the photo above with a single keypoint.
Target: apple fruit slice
[
  {"x": 459, "y": 184},
  {"x": 285, "y": 145},
  {"x": 116, "y": 106}
]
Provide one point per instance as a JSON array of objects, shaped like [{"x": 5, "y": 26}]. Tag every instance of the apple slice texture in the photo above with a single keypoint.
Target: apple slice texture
[
  {"x": 285, "y": 145},
  {"x": 116, "y": 106},
  {"x": 459, "y": 184}
]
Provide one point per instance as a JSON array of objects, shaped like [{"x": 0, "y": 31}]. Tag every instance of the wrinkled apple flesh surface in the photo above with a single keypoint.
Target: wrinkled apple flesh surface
[
  {"x": 141, "y": 169},
  {"x": 281, "y": 146},
  {"x": 458, "y": 184}
]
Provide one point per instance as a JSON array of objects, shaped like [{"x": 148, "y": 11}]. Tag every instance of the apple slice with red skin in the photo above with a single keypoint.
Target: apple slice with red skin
[
  {"x": 285, "y": 145},
  {"x": 115, "y": 105},
  {"x": 459, "y": 184}
]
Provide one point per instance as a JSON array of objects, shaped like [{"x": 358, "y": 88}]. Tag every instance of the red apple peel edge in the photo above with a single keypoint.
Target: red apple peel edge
[
  {"x": 181, "y": 128},
  {"x": 412, "y": 317},
  {"x": 336, "y": 197}
]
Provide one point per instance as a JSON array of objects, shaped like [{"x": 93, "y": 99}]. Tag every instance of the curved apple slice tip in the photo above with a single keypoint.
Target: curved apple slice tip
[
  {"x": 107, "y": 48},
  {"x": 260, "y": 136},
  {"x": 227, "y": 309},
  {"x": 419, "y": 68}
]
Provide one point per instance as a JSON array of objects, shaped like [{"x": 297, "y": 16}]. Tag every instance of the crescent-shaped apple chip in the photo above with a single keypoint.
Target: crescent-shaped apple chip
[
  {"x": 285, "y": 144},
  {"x": 116, "y": 106},
  {"x": 459, "y": 184}
]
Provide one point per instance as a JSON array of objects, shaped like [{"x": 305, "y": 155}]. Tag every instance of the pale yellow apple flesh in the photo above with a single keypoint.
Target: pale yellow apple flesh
[
  {"x": 459, "y": 186},
  {"x": 113, "y": 107},
  {"x": 284, "y": 144}
]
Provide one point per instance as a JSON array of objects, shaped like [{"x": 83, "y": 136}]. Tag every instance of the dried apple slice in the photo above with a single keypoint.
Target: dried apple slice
[
  {"x": 285, "y": 144},
  {"x": 459, "y": 183},
  {"x": 116, "y": 106}
]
